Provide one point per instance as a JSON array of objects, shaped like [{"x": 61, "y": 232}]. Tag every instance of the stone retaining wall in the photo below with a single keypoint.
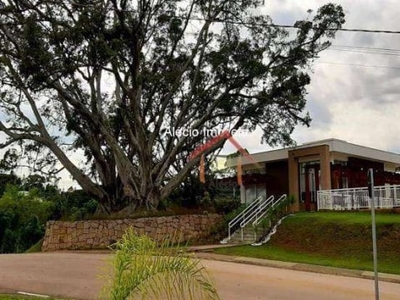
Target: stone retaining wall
[{"x": 99, "y": 234}]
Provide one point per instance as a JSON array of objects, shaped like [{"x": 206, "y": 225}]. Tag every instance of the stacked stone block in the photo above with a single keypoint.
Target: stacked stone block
[{"x": 100, "y": 234}]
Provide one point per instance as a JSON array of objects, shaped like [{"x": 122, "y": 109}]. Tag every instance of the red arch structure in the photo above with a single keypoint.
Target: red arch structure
[{"x": 207, "y": 145}]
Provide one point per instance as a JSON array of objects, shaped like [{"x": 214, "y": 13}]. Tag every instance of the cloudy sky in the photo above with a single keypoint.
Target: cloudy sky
[{"x": 354, "y": 93}]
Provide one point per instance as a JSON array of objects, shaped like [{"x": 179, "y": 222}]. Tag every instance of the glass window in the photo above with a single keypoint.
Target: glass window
[{"x": 312, "y": 179}]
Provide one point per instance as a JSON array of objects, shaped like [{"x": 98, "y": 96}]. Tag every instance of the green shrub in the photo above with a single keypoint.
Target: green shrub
[
  {"x": 77, "y": 205},
  {"x": 30, "y": 232},
  {"x": 140, "y": 269},
  {"x": 164, "y": 204},
  {"x": 205, "y": 201},
  {"x": 9, "y": 244},
  {"x": 225, "y": 204},
  {"x": 22, "y": 218}
]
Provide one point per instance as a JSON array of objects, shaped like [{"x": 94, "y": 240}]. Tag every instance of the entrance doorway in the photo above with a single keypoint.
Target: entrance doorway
[{"x": 309, "y": 184}]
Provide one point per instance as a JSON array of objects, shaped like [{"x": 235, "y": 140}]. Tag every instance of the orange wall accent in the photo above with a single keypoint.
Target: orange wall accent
[{"x": 322, "y": 152}]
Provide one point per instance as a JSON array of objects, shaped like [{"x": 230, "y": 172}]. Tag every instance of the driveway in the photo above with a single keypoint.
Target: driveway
[{"x": 75, "y": 275}]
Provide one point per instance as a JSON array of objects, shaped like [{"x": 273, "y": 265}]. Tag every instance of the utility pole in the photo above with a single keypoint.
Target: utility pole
[{"x": 370, "y": 176}]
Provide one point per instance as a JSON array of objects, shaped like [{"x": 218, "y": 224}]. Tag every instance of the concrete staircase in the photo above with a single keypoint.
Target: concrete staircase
[
  {"x": 246, "y": 235},
  {"x": 241, "y": 230}
]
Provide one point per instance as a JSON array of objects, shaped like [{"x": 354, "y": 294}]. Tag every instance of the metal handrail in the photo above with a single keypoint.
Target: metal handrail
[
  {"x": 253, "y": 205},
  {"x": 246, "y": 220},
  {"x": 257, "y": 220}
]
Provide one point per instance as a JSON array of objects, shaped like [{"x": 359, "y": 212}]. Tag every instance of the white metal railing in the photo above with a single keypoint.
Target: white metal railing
[
  {"x": 263, "y": 213},
  {"x": 260, "y": 209},
  {"x": 386, "y": 196},
  {"x": 252, "y": 213},
  {"x": 249, "y": 209}
]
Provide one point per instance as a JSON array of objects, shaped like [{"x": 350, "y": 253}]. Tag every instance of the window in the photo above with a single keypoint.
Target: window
[{"x": 309, "y": 180}]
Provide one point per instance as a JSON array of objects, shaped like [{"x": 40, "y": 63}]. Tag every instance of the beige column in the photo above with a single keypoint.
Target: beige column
[{"x": 325, "y": 180}]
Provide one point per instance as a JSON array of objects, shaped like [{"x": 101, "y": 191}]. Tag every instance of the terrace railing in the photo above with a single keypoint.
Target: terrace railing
[{"x": 387, "y": 196}]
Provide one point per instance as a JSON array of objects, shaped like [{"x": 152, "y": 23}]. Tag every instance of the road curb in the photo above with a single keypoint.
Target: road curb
[{"x": 297, "y": 266}]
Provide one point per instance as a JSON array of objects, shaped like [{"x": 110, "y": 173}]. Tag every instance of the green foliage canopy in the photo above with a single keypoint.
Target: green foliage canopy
[
  {"x": 110, "y": 79},
  {"x": 22, "y": 218}
]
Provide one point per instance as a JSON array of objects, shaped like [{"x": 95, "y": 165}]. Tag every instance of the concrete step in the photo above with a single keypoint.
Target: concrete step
[{"x": 249, "y": 236}]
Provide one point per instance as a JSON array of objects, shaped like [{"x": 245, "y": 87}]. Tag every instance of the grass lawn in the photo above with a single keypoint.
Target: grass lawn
[
  {"x": 20, "y": 297},
  {"x": 361, "y": 217},
  {"x": 35, "y": 248},
  {"x": 337, "y": 239}
]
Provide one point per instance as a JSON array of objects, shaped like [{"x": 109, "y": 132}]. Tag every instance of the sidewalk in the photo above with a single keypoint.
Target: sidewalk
[{"x": 206, "y": 252}]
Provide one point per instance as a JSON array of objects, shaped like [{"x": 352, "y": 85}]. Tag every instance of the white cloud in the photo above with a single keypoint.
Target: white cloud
[{"x": 350, "y": 97}]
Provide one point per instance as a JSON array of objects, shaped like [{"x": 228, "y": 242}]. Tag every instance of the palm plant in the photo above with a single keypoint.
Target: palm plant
[{"x": 141, "y": 269}]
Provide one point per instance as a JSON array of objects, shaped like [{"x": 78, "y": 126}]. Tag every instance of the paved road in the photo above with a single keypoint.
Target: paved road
[{"x": 75, "y": 275}]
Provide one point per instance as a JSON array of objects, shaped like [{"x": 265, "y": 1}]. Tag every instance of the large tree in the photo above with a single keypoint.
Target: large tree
[{"x": 113, "y": 79}]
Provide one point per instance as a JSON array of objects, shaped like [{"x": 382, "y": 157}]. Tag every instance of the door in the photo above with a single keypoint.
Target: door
[{"x": 312, "y": 173}]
